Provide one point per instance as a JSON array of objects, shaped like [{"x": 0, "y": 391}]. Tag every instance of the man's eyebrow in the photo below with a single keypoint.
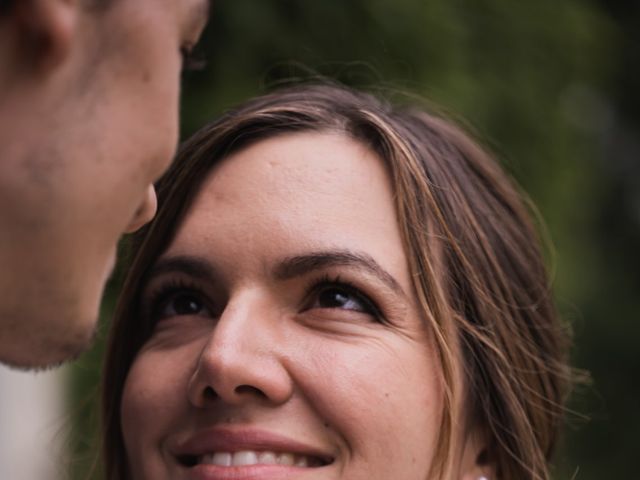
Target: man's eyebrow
[
  {"x": 199, "y": 15},
  {"x": 188, "y": 265},
  {"x": 299, "y": 265}
]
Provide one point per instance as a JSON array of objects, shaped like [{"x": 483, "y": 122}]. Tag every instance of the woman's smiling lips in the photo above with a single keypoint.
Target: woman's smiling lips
[{"x": 223, "y": 453}]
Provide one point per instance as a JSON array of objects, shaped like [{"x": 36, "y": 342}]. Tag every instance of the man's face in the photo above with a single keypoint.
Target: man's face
[{"x": 84, "y": 143}]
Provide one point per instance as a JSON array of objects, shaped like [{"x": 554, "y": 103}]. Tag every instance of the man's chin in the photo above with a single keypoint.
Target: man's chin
[{"x": 49, "y": 350}]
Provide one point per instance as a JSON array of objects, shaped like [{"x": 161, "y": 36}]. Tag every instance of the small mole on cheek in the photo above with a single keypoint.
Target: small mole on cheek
[
  {"x": 146, "y": 77},
  {"x": 326, "y": 424},
  {"x": 386, "y": 394}
]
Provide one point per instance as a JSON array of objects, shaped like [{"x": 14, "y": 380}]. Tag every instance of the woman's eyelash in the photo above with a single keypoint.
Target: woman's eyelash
[
  {"x": 192, "y": 59},
  {"x": 326, "y": 281},
  {"x": 157, "y": 298}
]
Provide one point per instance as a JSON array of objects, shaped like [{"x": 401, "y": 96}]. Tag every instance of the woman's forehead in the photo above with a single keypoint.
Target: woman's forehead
[
  {"x": 301, "y": 173},
  {"x": 303, "y": 191},
  {"x": 315, "y": 158}
]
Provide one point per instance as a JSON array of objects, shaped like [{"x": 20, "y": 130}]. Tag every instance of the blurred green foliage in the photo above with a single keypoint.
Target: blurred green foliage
[{"x": 553, "y": 87}]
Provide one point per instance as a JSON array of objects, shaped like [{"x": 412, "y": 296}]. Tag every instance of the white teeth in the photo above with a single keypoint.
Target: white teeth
[
  {"x": 248, "y": 457},
  {"x": 285, "y": 459},
  {"x": 244, "y": 458},
  {"x": 267, "y": 458}
]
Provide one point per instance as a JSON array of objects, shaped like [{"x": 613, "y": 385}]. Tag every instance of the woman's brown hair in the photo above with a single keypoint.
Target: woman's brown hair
[{"x": 473, "y": 252}]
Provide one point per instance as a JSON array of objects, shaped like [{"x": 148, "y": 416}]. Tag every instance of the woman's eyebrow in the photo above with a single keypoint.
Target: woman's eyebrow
[
  {"x": 193, "y": 266},
  {"x": 287, "y": 268},
  {"x": 301, "y": 264}
]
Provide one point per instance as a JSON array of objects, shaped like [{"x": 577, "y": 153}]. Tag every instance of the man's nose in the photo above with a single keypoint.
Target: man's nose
[{"x": 145, "y": 212}]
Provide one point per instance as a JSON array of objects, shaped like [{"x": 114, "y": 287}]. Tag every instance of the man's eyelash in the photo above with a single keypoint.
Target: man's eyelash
[{"x": 192, "y": 59}]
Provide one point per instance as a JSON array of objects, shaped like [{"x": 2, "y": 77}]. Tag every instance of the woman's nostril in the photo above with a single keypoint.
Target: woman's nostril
[
  {"x": 209, "y": 393},
  {"x": 248, "y": 389}
]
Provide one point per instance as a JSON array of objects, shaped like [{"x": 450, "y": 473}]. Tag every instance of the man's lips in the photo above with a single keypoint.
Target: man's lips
[{"x": 238, "y": 447}]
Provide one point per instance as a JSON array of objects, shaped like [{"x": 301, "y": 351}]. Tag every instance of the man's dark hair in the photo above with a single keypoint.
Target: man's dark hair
[{"x": 5, "y": 6}]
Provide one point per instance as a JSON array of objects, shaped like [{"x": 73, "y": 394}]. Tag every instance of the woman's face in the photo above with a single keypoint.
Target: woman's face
[{"x": 287, "y": 342}]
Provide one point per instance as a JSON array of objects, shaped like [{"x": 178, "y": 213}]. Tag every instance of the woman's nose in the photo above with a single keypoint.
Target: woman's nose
[
  {"x": 145, "y": 211},
  {"x": 242, "y": 361}
]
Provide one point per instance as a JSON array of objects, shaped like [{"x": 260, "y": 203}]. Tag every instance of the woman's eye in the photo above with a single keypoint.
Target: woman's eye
[
  {"x": 344, "y": 298},
  {"x": 336, "y": 298},
  {"x": 181, "y": 304}
]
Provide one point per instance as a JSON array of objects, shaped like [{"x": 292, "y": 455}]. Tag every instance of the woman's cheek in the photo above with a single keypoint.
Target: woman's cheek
[{"x": 151, "y": 397}]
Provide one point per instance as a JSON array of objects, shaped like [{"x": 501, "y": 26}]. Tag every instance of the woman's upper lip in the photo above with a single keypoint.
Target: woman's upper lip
[{"x": 238, "y": 439}]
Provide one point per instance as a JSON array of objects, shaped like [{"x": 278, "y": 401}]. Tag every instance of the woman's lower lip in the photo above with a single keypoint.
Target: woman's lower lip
[{"x": 248, "y": 472}]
